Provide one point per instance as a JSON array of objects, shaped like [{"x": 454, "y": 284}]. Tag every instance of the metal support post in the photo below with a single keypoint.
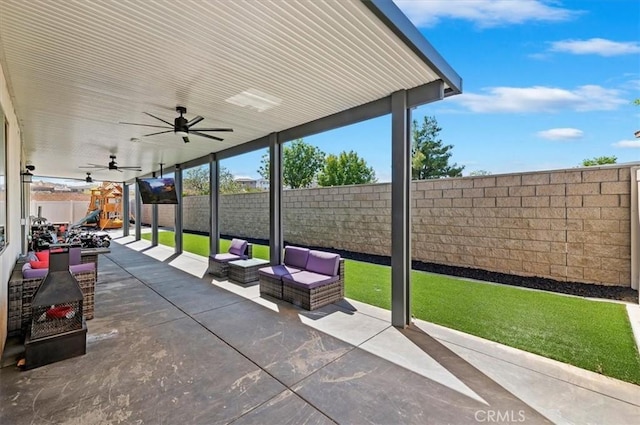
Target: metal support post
[
  {"x": 276, "y": 234},
  {"x": 178, "y": 228},
  {"x": 214, "y": 205},
  {"x": 125, "y": 209},
  {"x": 400, "y": 211}
]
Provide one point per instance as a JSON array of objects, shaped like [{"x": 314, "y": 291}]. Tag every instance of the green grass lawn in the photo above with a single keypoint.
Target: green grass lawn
[{"x": 589, "y": 334}]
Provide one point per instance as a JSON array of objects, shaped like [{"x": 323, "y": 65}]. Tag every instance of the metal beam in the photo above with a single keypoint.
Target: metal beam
[
  {"x": 138, "y": 214},
  {"x": 125, "y": 209},
  {"x": 253, "y": 145},
  {"x": 276, "y": 234},
  {"x": 400, "y": 211},
  {"x": 425, "y": 93},
  {"x": 354, "y": 115},
  {"x": 178, "y": 220}
]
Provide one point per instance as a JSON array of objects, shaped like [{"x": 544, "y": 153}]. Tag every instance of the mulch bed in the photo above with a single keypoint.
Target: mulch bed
[{"x": 619, "y": 293}]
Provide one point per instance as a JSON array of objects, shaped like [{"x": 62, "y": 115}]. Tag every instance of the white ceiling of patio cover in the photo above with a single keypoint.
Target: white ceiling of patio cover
[{"x": 76, "y": 69}]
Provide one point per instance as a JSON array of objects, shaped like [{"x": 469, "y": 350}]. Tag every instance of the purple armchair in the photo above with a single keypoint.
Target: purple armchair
[{"x": 238, "y": 250}]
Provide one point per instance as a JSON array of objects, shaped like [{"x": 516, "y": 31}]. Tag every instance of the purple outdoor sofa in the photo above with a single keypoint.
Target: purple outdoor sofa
[
  {"x": 308, "y": 278},
  {"x": 25, "y": 281}
]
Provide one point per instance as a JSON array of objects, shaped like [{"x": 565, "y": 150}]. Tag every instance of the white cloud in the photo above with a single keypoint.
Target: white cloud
[
  {"x": 596, "y": 46},
  {"x": 541, "y": 99},
  {"x": 627, "y": 144},
  {"x": 561, "y": 134},
  {"x": 484, "y": 13},
  {"x": 634, "y": 84}
]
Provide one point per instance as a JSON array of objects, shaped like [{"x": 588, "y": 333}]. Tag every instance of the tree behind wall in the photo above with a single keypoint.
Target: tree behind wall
[
  {"x": 599, "y": 160},
  {"x": 430, "y": 158},
  {"x": 300, "y": 164},
  {"x": 344, "y": 169},
  {"x": 196, "y": 181}
]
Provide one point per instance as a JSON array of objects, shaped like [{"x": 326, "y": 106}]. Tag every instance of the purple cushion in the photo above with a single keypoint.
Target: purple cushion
[
  {"x": 30, "y": 273},
  {"x": 296, "y": 257},
  {"x": 223, "y": 258},
  {"x": 277, "y": 271},
  {"x": 308, "y": 280},
  {"x": 238, "y": 247},
  {"x": 81, "y": 268},
  {"x": 75, "y": 254},
  {"x": 323, "y": 262}
]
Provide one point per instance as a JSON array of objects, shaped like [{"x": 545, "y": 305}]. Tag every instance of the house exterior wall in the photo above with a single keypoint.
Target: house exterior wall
[
  {"x": 567, "y": 225},
  {"x": 14, "y": 238}
]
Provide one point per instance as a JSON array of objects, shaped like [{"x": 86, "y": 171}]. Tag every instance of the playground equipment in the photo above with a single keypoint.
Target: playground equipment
[{"x": 107, "y": 200}]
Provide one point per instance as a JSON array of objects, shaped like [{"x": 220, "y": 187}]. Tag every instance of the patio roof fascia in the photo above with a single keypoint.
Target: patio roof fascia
[{"x": 403, "y": 28}]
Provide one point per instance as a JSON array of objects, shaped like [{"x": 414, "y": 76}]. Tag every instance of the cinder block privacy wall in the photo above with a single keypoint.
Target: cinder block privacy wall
[{"x": 567, "y": 225}]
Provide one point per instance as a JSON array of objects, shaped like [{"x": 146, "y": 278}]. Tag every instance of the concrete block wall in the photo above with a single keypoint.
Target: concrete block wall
[
  {"x": 567, "y": 225},
  {"x": 245, "y": 215},
  {"x": 353, "y": 218}
]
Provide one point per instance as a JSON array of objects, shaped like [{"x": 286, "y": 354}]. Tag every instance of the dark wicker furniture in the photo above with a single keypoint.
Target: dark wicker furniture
[
  {"x": 245, "y": 271},
  {"x": 219, "y": 263},
  {"x": 271, "y": 286},
  {"x": 311, "y": 299},
  {"x": 21, "y": 292}
]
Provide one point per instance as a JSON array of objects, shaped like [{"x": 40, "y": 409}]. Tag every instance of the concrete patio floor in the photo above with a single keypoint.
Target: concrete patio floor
[{"x": 170, "y": 344}]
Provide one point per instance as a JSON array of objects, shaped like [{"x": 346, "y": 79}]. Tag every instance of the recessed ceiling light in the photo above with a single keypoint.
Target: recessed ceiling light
[{"x": 255, "y": 99}]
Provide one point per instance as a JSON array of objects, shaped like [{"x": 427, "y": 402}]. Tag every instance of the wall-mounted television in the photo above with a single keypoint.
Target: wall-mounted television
[{"x": 158, "y": 190}]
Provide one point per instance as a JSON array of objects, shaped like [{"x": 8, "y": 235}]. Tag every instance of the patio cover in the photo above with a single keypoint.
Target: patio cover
[
  {"x": 77, "y": 69},
  {"x": 271, "y": 70}
]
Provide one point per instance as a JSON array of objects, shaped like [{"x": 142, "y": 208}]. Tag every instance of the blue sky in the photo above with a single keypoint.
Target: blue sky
[{"x": 546, "y": 84}]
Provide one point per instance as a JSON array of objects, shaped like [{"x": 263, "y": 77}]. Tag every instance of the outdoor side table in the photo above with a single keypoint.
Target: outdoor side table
[{"x": 245, "y": 271}]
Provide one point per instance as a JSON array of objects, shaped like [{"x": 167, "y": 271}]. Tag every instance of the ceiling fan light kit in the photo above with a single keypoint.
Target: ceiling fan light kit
[{"x": 181, "y": 126}]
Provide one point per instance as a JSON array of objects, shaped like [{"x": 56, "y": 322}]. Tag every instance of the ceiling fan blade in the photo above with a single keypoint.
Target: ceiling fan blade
[
  {"x": 160, "y": 119},
  {"x": 131, "y": 168},
  {"x": 194, "y": 121},
  {"x": 197, "y": 133},
  {"x": 159, "y": 132},
  {"x": 143, "y": 125},
  {"x": 186, "y": 139},
  {"x": 211, "y": 129}
]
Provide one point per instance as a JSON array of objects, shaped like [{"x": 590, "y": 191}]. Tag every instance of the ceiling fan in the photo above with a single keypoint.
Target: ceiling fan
[
  {"x": 113, "y": 165},
  {"x": 181, "y": 126}
]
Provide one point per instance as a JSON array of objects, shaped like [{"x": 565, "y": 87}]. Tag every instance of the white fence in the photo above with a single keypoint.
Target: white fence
[{"x": 60, "y": 211}]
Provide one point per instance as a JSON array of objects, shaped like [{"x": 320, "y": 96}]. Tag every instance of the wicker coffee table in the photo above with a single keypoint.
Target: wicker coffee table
[{"x": 245, "y": 271}]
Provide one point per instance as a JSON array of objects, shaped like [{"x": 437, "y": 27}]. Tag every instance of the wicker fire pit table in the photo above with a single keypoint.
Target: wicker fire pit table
[{"x": 245, "y": 271}]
